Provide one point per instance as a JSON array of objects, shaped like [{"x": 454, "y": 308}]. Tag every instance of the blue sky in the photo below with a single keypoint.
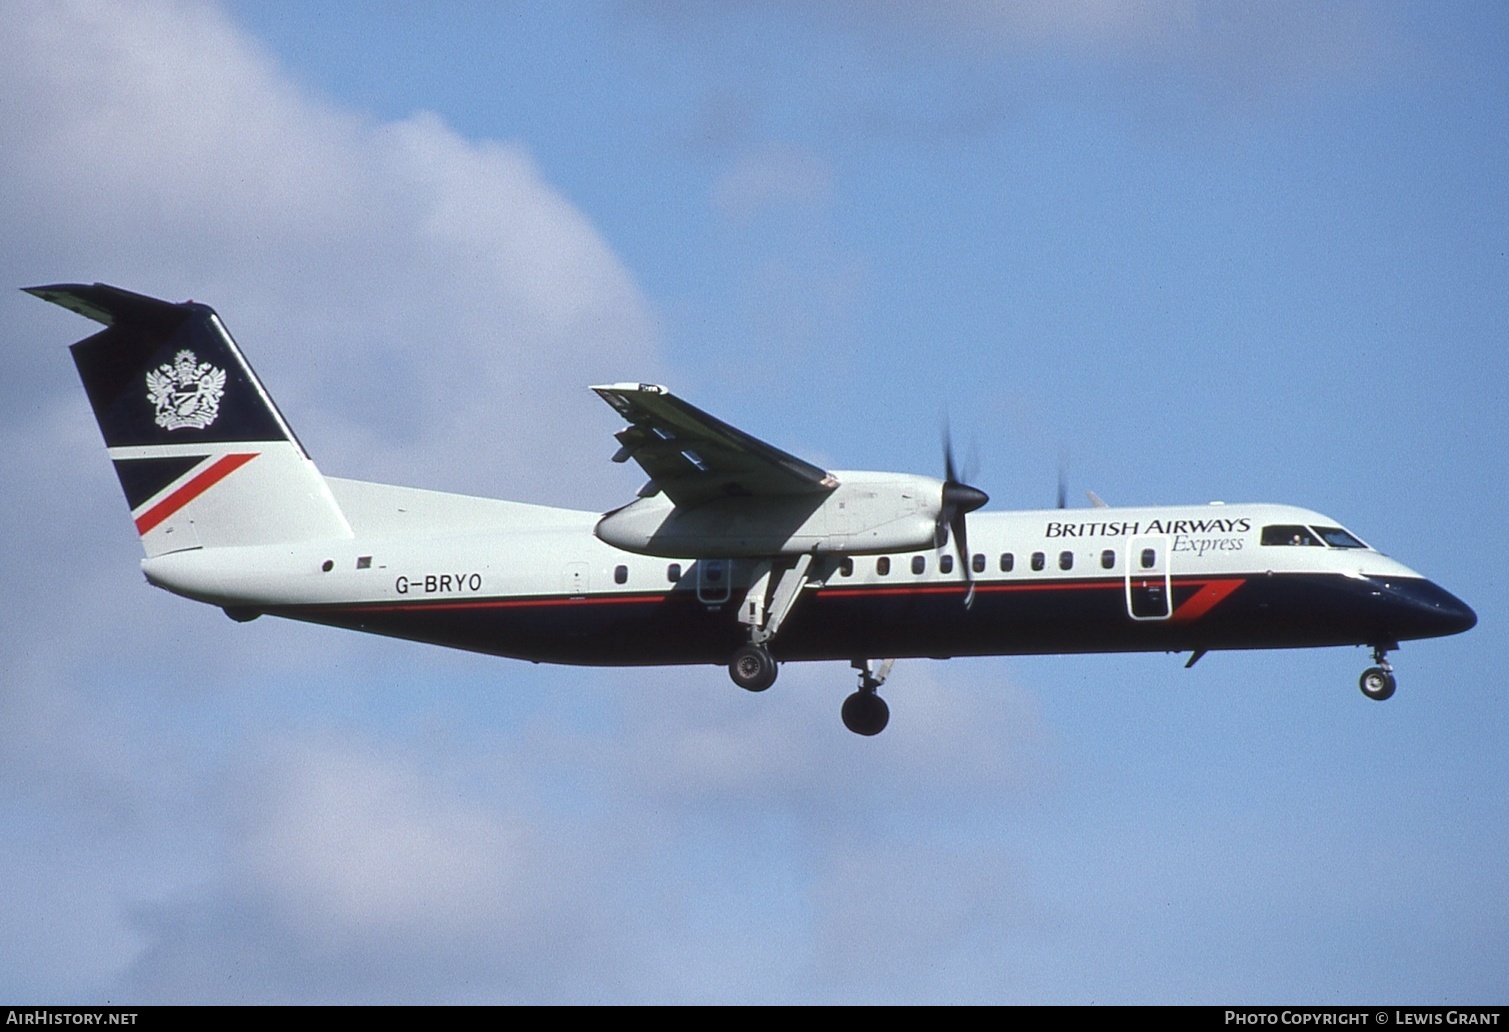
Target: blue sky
[{"x": 1247, "y": 252}]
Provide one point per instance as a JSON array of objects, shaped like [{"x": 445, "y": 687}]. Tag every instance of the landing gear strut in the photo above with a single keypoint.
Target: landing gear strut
[
  {"x": 762, "y": 611},
  {"x": 1377, "y": 682},
  {"x": 752, "y": 668},
  {"x": 865, "y": 712}
]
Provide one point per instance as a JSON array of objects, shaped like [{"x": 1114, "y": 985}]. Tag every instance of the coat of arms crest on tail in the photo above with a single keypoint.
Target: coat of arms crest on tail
[{"x": 186, "y": 393}]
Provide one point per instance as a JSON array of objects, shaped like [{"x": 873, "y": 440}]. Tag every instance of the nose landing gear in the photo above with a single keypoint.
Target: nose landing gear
[
  {"x": 1377, "y": 682},
  {"x": 865, "y": 712}
]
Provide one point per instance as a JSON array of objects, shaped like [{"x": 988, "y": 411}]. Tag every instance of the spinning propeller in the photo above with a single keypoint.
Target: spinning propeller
[{"x": 959, "y": 500}]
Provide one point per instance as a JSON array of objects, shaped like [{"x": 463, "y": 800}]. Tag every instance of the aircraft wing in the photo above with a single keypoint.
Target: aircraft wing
[{"x": 694, "y": 457}]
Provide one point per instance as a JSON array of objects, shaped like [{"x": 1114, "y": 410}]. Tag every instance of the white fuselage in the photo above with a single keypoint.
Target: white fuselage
[{"x": 412, "y": 546}]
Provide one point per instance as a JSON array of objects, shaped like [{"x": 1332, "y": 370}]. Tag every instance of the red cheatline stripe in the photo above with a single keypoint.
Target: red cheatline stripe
[
  {"x": 1197, "y": 605},
  {"x": 1204, "y": 600},
  {"x": 217, "y": 471},
  {"x": 600, "y": 600}
]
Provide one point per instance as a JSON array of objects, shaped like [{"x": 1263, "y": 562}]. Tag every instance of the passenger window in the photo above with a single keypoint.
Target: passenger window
[
  {"x": 945, "y": 563},
  {"x": 883, "y": 565},
  {"x": 1289, "y": 534},
  {"x": 1007, "y": 562},
  {"x": 978, "y": 563},
  {"x": 1149, "y": 558},
  {"x": 1039, "y": 560},
  {"x": 1066, "y": 560},
  {"x": 673, "y": 572},
  {"x": 1108, "y": 559},
  {"x": 846, "y": 568},
  {"x": 620, "y": 574},
  {"x": 919, "y": 564}
]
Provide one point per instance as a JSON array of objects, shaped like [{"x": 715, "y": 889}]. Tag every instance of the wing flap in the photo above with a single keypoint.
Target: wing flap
[{"x": 693, "y": 456}]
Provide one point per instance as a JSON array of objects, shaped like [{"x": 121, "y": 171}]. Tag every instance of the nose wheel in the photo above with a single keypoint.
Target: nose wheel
[
  {"x": 865, "y": 712},
  {"x": 1377, "y": 682}
]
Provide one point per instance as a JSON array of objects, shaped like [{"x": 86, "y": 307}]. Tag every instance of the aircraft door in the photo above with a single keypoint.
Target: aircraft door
[
  {"x": 713, "y": 576},
  {"x": 1150, "y": 594}
]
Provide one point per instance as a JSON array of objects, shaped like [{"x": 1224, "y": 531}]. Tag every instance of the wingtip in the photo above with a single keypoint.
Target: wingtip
[{"x": 629, "y": 388}]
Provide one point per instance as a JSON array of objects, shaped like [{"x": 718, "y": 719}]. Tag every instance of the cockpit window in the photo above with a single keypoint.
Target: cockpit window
[
  {"x": 1288, "y": 534},
  {"x": 1338, "y": 538}
]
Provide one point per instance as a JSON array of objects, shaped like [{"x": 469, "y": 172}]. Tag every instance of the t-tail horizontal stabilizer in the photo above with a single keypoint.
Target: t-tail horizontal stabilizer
[{"x": 203, "y": 455}]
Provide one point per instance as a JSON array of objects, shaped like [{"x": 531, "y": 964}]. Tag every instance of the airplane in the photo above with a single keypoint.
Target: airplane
[{"x": 734, "y": 552}]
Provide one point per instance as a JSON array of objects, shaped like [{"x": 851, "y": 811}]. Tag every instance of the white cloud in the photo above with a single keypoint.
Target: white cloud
[
  {"x": 404, "y": 291},
  {"x": 357, "y": 868},
  {"x": 713, "y": 846},
  {"x": 368, "y": 845},
  {"x": 427, "y": 309},
  {"x": 950, "y": 740}
]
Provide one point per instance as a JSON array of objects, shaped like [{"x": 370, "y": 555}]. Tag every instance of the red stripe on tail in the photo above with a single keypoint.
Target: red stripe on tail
[{"x": 217, "y": 471}]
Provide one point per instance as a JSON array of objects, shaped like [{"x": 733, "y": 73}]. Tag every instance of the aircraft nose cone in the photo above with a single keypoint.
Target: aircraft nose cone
[
  {"x": 1434, "y": 611},
  {"x": 1460, "y": 616}
]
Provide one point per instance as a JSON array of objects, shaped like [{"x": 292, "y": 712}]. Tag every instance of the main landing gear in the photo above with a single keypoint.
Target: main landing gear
[
  {"x": 772, "y": 593},
  {"x": 762, "y": 611},
  {"x": 752, "y": 668},
  {"x": 1377, "y": 682}
]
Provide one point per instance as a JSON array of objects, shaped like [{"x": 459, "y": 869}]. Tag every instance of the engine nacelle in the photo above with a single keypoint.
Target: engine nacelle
[{"x": 868, "y": 513}]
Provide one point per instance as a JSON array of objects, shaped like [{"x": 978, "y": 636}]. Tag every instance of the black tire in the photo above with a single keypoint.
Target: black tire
[
  {"x": 752, "y": 668},
  {"x": 1376, "y": 683},
  {"x": 866, "y": 713}
]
